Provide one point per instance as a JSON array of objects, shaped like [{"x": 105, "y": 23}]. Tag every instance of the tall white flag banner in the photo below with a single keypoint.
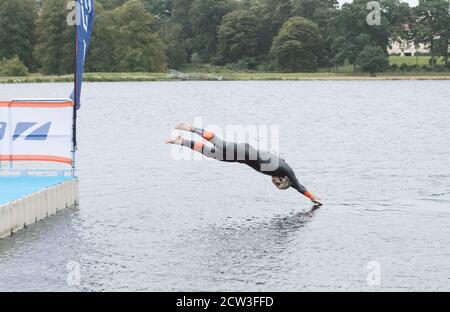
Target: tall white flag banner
[{"x": 36, "y": 130}]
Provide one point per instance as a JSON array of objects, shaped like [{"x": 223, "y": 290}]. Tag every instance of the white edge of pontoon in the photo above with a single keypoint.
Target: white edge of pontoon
[{"x": 18, "y": 214}]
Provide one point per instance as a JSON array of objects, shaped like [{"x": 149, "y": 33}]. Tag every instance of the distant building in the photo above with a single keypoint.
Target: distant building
[{"x": 407, "y": 48}]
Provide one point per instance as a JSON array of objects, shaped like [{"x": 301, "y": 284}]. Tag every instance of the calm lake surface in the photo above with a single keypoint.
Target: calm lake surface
[{"x": 377, "y": 153}]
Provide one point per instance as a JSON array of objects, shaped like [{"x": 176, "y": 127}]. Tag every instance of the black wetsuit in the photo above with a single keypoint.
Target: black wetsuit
[{"x": 265, "y": 162}]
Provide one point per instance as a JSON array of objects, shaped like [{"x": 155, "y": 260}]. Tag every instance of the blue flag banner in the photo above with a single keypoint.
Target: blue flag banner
[{"x": 85, "y": 13}]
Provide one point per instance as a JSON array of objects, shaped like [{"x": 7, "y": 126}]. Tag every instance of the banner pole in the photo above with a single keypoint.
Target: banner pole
[{"x": 75, "y": 94}]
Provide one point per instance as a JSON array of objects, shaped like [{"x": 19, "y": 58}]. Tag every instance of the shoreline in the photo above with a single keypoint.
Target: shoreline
[{"x": 235, "y": 76}]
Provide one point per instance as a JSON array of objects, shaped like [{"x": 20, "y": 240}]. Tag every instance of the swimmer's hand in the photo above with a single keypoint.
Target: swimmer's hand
[{"x": 317, "y": 201}]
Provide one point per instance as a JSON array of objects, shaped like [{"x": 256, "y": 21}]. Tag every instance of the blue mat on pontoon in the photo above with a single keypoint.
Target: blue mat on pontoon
[{"x": 13, "y": 188}]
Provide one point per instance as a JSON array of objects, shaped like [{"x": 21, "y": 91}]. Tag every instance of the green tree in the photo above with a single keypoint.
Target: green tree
[
  {"x": 159, "y": 8},
  {"x": 110, "y": 4},
  {"x": 175, "y": 28},
  {"x": 352, "y": 23},
  {"x": 13, "y": 67},
  {"x": 352, "y": 32},
  {"x": 102, "y": 52},
  {"x": 238, "y": 37},
  {"x": 55, "y": 47},
  {"x": 298, "y": 45},
  {"x": 123, "y": 41},
  {"x": 176, "y": 49},
  {"x": 180, "y": 14},
  {"x": 324, "y": 13},
  {"x": 398, "y": 14},
  {"x": 17, "y": 22},
  {"x": 432, "y": 26},
  {"x": 206, "y": 16},
  {"x": 347, "y": 49},
  {"x": 272, "y": 14},
  {"x": 373, "y": 60}
]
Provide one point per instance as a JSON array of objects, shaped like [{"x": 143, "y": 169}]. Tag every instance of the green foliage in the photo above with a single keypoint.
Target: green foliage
[
  {"x": 297, "y": 46},
  {"x": 373, "y": 60},
  {"x": 123, "y": 41},
  {"x": 17, "y": 19},
  {"x": 272, "y": 14},
  {"x": 196, "y": 59},
  {"x": 352, "y": 32},
  {"x": 13, "y": 68},
  {"x": 324, "y": 13},
  {"x": 150, "y": 35},
  {"x": 206, "y": 16},
  {"x": 238, "y": 37},
  {"x": 176, "y": 49},
  {"x": 403, "y": 66},
  {"x": 55, "y": 47},
  {"x": 433, "y": 22},
  {"x": 394, "y": 67}
]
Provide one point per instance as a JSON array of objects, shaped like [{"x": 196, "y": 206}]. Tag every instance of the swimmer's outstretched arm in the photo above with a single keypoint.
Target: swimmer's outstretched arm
[{"x": 299, "y": 187}]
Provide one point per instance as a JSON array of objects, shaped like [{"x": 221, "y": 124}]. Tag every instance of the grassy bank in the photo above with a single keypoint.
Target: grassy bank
[
  {"x": 110, "y": 77},
  {"x": 333, "y": 76},
  {"x": 414, "y": 60}
]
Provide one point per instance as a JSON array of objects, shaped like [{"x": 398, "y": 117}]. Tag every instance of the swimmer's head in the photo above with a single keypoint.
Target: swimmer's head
[{"x": 282, "y": 183}]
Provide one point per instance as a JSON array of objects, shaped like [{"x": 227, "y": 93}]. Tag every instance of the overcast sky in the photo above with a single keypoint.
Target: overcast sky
[{"x": 411, "y": 2}]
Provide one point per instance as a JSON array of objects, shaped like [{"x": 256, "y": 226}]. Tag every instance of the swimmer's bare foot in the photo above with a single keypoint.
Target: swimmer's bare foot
[
  {"x": 185, "y": 127},
  {"x": 177, "y": 141}
]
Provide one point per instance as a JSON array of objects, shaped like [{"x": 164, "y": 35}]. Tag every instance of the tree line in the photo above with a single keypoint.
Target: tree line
[{"x": 281, "y": 35}]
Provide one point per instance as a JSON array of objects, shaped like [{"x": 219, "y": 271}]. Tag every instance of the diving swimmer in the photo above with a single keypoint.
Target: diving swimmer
[{"x": 264, "y": 162}]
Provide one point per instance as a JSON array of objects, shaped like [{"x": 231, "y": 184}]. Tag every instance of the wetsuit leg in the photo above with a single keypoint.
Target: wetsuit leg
[
  {"x": 232, "y": 152},
  {"x": 219, "y": 151},
  {"x": 207, "y": 135},
  {"x": 202, "y": 148},
  {"x": 225, "y": 151}
]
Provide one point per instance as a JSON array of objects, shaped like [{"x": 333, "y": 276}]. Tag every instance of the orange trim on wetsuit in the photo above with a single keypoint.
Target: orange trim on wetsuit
[
  {"x": 198, "y": 146},
  {"x": 309, "y": 195},
  {"x": 195, "y": 146},
  {"x": 207, "y": 135}
]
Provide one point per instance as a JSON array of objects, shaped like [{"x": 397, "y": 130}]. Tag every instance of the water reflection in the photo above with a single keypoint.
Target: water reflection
[
  {"x": 24, "y": 257},
  {"x": 249, "y": 251},
  {"x": 292, "y": 223}
]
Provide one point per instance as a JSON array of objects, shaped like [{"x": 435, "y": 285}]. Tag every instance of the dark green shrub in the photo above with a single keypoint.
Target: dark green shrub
[{"x": 13, "y": 68}]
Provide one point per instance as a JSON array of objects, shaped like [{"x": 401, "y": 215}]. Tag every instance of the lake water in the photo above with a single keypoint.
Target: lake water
[{"x": 377, "y": 153}]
